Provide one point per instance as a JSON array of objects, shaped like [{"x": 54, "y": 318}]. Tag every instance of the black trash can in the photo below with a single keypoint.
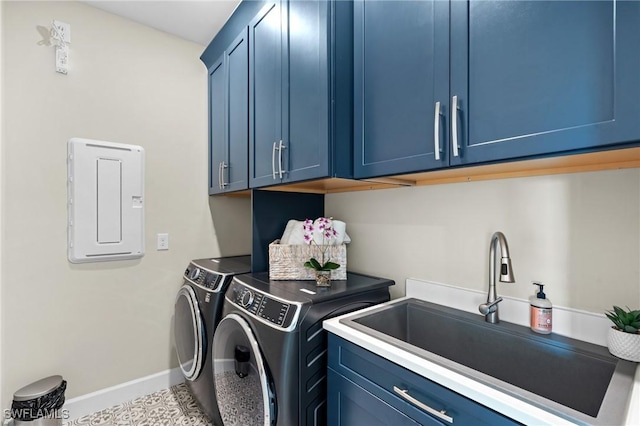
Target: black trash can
[{"x": 40, "y": 403}]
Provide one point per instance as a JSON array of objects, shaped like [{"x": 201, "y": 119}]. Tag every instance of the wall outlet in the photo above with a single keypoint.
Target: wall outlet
[
  {"x": 63, "y": 29},
  {"x": 62, "y": 59},
  {"x": 163, "y": 242}
]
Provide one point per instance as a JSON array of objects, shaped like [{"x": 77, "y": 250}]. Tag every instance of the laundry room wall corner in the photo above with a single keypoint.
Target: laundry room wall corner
[
  {"x": 231, "y": 220},
  {"x": 106, "y": 323},
  {"x": 2, "y": 345}
]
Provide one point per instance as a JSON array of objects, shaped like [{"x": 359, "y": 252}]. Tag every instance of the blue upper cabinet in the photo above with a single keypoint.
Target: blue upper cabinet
[
  {"x": 512, "y": 79},
  {"x": 217, "y": 128},
  {"x": 540, "y": 77},
  {"x": 300, "y": 119},
  {"x": 401, "y": 77},
  {"x": 228, "y": 102},
  {"x": 265, "y": 94},
  {"x": 306, "y": 121},
  {"x": 237, "y": 56}
]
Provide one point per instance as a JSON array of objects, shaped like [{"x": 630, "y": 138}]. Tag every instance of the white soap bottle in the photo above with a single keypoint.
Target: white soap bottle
[{"x": 540, "y": 311}]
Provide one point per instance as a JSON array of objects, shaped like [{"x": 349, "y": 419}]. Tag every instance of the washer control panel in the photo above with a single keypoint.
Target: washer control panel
[
  {"x": 202, "y": 277},
  {"x": 262, "y": 305}
]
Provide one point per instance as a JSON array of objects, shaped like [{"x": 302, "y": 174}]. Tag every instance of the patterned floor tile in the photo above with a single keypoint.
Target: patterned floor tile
[
  {"x": 239, "y": 399},
  {"x": 169, "y": 407}
]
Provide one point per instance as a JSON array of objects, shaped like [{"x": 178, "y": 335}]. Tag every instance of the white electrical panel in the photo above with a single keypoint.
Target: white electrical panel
[{"x": 106, "y": 201}]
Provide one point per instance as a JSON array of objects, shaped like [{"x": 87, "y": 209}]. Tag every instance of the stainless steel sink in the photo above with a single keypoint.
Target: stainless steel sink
[{"x": 574, "y": 379}]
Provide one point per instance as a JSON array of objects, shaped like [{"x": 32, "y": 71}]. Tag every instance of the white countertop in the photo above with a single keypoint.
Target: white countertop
[{"x": 501, "y": 402}]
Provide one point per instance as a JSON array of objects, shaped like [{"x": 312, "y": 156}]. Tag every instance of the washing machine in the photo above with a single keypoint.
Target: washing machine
[
  {"x": 198, "y": 309},
  {"x": 270, "y": 350}
]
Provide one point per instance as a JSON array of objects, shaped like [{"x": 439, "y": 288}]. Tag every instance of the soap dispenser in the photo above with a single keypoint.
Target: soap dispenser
[{"x": 540, "y": 311}]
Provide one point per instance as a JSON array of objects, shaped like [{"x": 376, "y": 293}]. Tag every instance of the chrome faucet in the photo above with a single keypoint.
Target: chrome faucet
[{"x": 490, "y": 309}]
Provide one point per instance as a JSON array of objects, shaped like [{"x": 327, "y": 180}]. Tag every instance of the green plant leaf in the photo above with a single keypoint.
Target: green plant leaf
[
  {"x": 315, "y": 264},
  {"x": 615, "y": 320},
  {"x": 627, "y": 321},
  {"x": 308, "y": 264},
  {"x": 619, "y": 312},
  {"x": 330, "y": 266},
  {"x": 628, "y": 318}
]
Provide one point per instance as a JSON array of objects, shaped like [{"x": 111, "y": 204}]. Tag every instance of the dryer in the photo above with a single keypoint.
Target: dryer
[
  {"x": 270, "y": 350},
  {"x": 198, "y": 309}
]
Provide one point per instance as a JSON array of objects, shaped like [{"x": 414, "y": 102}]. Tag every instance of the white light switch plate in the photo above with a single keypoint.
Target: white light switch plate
[{"x": 163, "y": 242}]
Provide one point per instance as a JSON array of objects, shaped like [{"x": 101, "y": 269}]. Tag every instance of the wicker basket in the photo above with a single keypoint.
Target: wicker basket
[{"x": 286, "y": 262}]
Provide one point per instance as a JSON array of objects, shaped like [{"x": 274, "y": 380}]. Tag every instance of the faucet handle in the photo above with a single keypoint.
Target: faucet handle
[{"x": 487, "y": 308}]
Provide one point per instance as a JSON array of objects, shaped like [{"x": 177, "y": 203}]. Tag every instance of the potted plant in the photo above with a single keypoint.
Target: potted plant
[
  {"x": 324, "y": 266},
  {"x": 623, "y": 339}
]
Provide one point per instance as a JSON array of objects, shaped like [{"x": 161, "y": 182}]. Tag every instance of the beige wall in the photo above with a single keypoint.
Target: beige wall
[
  {"x": 103, "y": 324},
  {"x": 100, "y": 324},
  {"x": 1, "y": 183},
  {"x": 577, "y": 233}
]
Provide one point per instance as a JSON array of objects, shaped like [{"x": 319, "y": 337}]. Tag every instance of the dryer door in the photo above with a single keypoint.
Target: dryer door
[
  {"x": 244, "y": 390},
  {"x": 189, "y": 333}
]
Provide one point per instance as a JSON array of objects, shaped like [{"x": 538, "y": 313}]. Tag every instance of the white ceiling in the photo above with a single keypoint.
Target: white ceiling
[{"x": 195, "y": 20}]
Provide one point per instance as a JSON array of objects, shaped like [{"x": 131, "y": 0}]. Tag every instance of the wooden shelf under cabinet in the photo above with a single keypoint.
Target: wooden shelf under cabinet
[{"x": 596, "y": 161}]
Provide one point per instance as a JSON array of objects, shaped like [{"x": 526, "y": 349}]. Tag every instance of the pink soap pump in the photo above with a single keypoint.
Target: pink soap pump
[{"x": 540, "y": 311}]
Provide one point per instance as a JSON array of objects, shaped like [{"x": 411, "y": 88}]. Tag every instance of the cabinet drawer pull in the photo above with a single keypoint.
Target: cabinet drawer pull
[
  {"x": 280, "y": 148},
  {"x": 223, "y": 166},
  {"x": 442, "y": 414},
  {"x": 273, "y": 160},
  {"x": 454, "y": 126},
  {"x": 436, "y": 132}
]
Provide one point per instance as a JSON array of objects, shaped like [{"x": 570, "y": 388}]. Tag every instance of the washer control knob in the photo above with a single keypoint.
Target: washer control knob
[
  {"x": 246, "y": 299},
  {"x": 195, "y": 274}
]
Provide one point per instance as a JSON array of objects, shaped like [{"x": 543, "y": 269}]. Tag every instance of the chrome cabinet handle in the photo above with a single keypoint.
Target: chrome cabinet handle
[
  {"x": 273, "y": 160},
  {"x": 442, "y": 414},
  {"x": 280, "y": 148},
  {"x": 436, "y": 132},
  {"x": 454, "y": 126},
  {"x": 223, "y": 166},
  {"x": 219, "y": 175}
]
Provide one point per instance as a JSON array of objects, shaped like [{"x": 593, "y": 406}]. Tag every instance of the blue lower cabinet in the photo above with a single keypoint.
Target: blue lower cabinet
[
  {"x": 366, "y": 389},
  {"x": 355, "y": 406}
]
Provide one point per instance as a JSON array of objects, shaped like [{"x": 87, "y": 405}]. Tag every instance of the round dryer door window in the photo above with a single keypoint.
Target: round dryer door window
[
  {"x": 243, "y": 389},
  {"x": 189, "y": 333}
]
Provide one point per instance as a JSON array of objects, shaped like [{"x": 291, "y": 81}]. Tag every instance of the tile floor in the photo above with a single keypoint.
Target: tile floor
[{"x": 168, "y": 407}]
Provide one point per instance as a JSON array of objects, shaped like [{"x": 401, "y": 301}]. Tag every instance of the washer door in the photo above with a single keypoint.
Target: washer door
[
  {"x": 243, "y": 390},
  {"x": 189, "y": 333}
]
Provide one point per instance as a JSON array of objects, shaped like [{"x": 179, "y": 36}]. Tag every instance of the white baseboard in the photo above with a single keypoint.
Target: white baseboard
[{"x": 118, "y": 394}]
